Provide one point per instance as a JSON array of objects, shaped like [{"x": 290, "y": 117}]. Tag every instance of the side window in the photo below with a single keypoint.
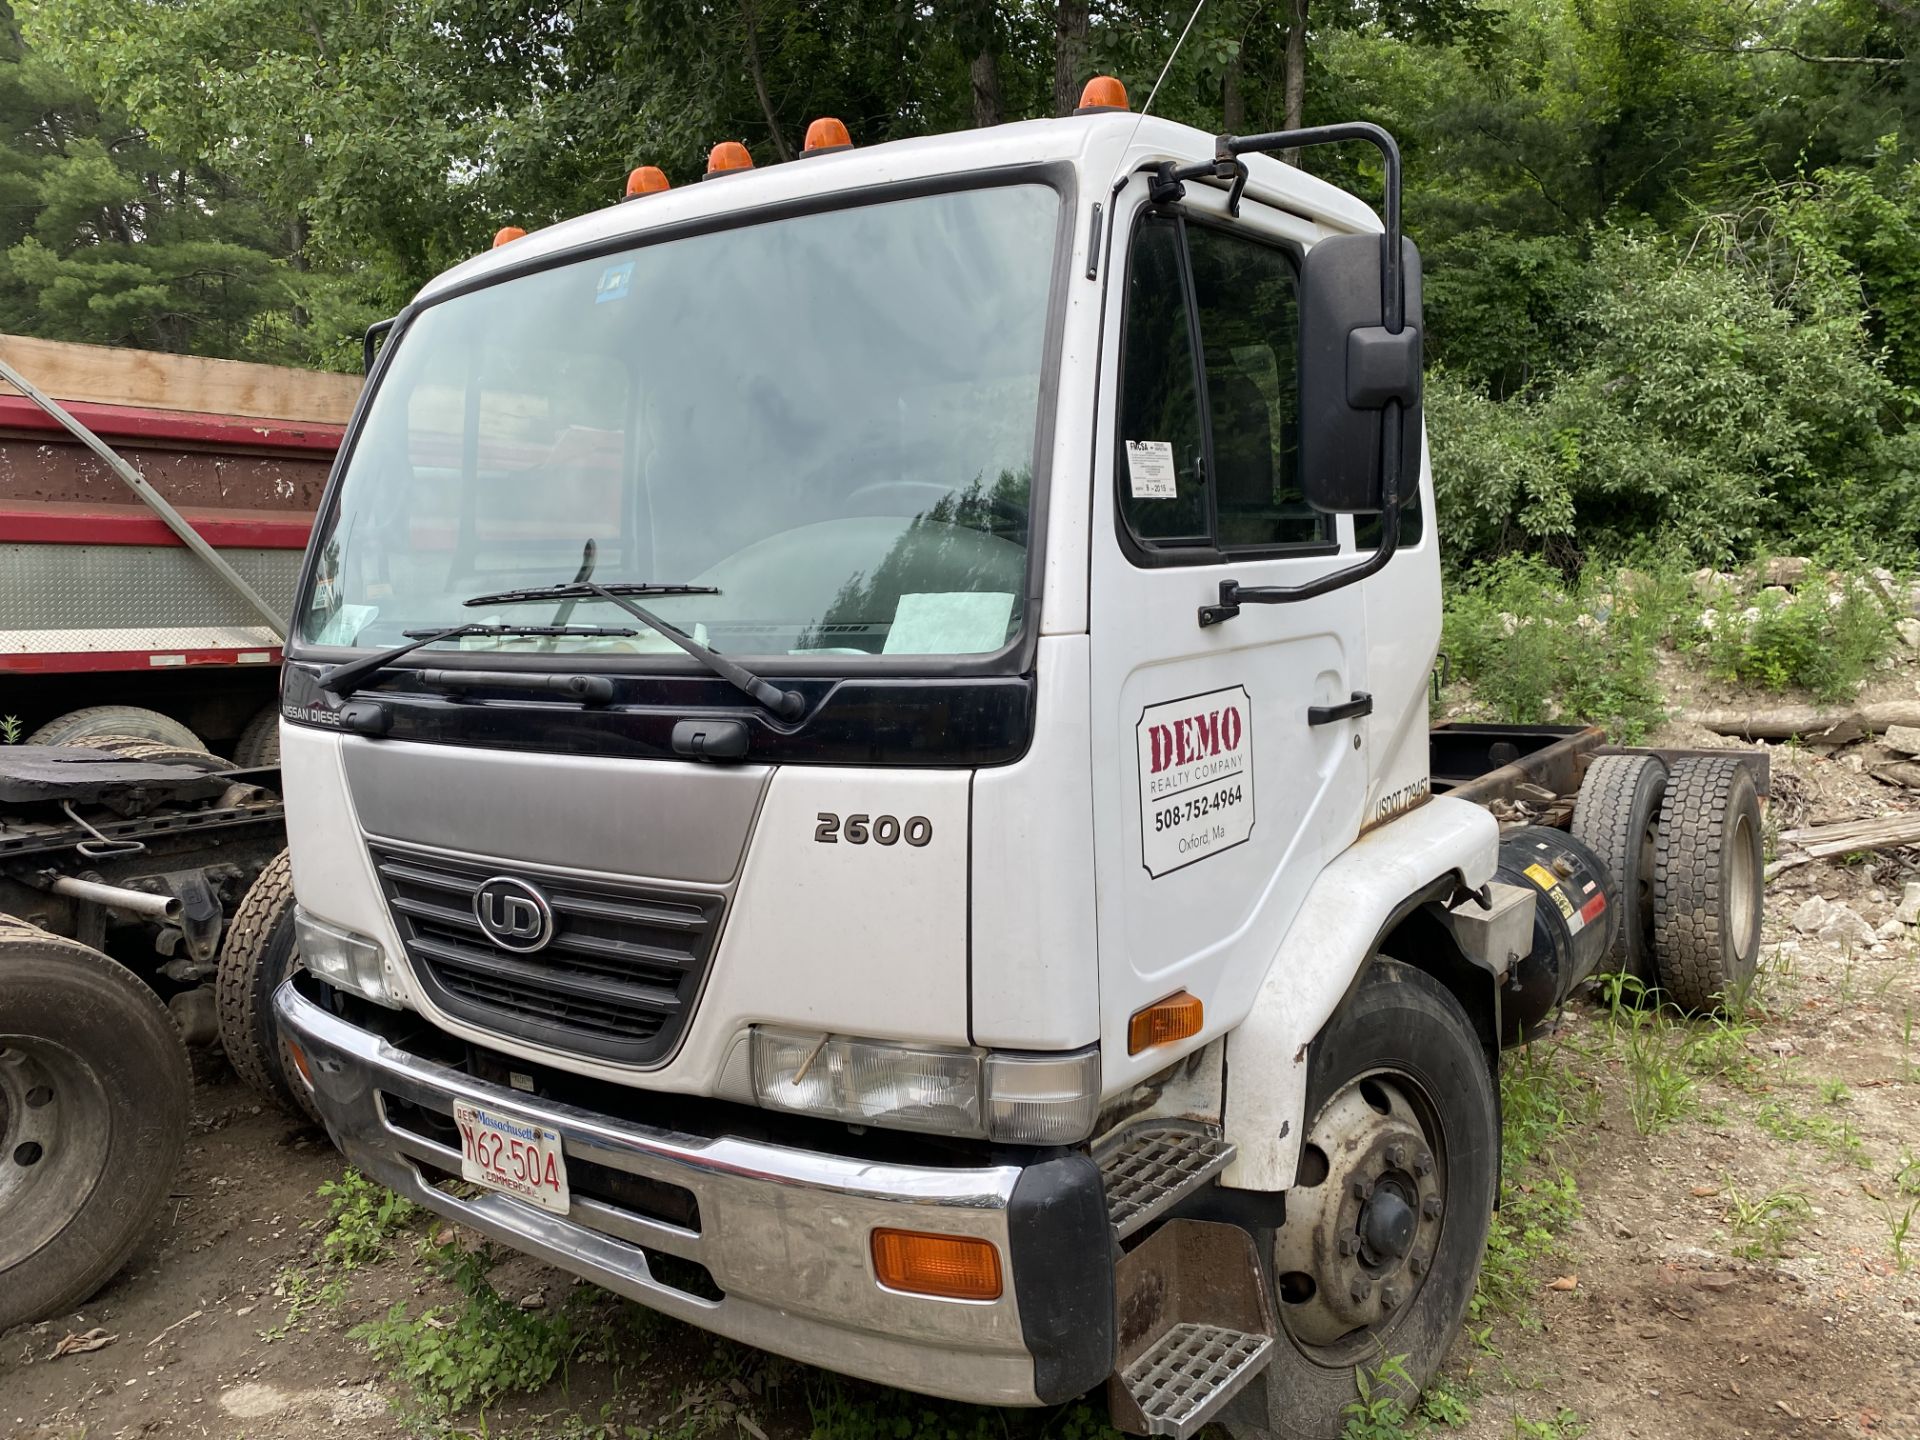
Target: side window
[
  {"x": 1248, "y": 298},
  {"x": 1211, "y": 467},
  {"x": 1160, "y": 471}
]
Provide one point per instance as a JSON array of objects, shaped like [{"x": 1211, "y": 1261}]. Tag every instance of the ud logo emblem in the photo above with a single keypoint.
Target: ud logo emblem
[{"x": 514, "y": 915}]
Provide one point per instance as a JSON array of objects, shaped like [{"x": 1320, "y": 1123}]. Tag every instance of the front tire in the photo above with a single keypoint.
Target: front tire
[
  {"x": 94, "y": 1093},
  {"x": 259, "y": 953},
  {"x": 1386, "y": 1224}
]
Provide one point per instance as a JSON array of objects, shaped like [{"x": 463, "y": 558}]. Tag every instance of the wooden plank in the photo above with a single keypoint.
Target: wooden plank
[
  {"x": 1885, "y": 832},
  {"x": 104, "y": 375}
]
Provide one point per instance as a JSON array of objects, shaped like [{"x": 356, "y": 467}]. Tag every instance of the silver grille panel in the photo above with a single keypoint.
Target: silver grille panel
[{"x": 617, "y": 981}]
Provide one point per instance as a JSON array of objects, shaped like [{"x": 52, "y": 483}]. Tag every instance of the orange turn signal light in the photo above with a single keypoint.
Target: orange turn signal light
[
  {"x": 826, "y": 135},
  {"x": 956, "y": 1267},
  {"x": 1103, "y": 93},
  {"x": 507, "y": 234},
  {"x": 1165, "y": 1021},
  {"x": 728, "y": 155},
  {"x": 645, "y": 180},
  {"x": 300, "y": 1063}
]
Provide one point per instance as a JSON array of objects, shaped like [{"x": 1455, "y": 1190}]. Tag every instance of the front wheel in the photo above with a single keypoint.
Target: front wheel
[{"x": 1385, "y": 1225}]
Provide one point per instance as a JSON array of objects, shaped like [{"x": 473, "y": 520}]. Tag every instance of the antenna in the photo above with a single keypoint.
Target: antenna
[{"x": 1119, "y": 179}]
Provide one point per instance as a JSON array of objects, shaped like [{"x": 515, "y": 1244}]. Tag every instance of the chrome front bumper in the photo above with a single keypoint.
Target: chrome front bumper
[{"x": 784, "y": 1233}]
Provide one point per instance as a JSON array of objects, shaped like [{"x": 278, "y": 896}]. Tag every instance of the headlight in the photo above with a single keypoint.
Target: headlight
[
  {"x": 1027, "y": 1099},
  {"x": 342, "y": 959}
]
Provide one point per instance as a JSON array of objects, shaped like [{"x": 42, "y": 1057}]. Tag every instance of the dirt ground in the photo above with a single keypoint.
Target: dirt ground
[{"x": 1648, "y": 1323}]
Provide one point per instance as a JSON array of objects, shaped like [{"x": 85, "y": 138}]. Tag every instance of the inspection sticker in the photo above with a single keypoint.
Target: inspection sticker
[
  {"x": 1196, "y": 778},
  {"x": 1150, "y": 470},
  {"x": 615, "y": 282}
]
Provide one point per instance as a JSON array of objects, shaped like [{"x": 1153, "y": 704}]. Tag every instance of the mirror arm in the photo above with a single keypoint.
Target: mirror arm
[
  {"x": 1226, "y": 165},
  {"x": 1233, "y": 594}
]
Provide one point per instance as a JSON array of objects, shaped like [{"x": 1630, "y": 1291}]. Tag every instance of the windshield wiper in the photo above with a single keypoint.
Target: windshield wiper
[
  {"x": 344, "y": 679},
  {"x": 582, "y": 588},
  {"x": 788, "y": 704}
]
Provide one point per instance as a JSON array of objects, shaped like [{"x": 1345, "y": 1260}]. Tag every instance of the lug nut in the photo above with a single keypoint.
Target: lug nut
[
  {"x": 1430, "y": 1207},
  {"x": 1360, "y": 1291},
  {"x": 1422, "y": 1163},
  {"x": 1346, "y": 1245},
  {"x": 1418, "y": 1264},
  {"x": 1389, "y": 1296},
  {"x": 1362, "y": 1190},
  {"x": 1397, "y": 1156}
]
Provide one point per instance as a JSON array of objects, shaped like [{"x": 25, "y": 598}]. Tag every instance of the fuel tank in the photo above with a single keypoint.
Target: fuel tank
[{"x": 1574, "y": 920}]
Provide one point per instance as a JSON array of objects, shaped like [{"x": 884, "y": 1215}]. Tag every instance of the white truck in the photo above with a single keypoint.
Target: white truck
[{"x": 856, "y": 737}]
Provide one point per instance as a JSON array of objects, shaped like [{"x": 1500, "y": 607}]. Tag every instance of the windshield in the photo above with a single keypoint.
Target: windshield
[{"x": 829, "y": 419}]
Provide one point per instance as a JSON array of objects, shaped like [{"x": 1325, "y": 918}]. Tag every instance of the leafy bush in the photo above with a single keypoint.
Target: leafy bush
[
  {"x": 1822, "y": 639},
  {"x": 1537, "y": 649},
  {"x": 1724, "y": 395}
]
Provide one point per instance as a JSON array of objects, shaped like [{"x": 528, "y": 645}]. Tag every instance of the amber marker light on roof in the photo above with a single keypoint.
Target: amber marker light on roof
[
  {"x": 826, "y": 135},
  {"x": 1103, "y": 93},
  {"x": 645, "y": 180},
  {"x": 507, "y": 234},
  {"x": 954, "y": 1267},
  {"x": 1164, "y": 1021},
  {"x": 728, "y": 156}
]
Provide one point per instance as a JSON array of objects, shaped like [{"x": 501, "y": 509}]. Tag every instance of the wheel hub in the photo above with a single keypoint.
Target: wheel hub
[
  {"x": 1357, "y": 1245},
  {"x": 54, "y": 1133}
]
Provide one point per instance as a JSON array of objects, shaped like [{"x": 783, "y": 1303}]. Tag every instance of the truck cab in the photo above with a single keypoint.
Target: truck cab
[{"x": 854, "y": 858}]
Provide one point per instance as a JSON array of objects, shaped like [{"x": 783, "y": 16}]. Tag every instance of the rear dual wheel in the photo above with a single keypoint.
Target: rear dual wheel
[
  {"x": 78, "y": 727},
  {"x": 94, "y": 1093},
  {"x": 1384, "y": 1229}
]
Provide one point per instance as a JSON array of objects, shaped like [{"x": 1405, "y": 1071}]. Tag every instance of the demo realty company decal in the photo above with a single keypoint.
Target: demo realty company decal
[{"x": 1196, "y": 778}]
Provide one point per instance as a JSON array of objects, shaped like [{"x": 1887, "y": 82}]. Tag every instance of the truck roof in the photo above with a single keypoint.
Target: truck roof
[{"x": 1094, "y": 144}]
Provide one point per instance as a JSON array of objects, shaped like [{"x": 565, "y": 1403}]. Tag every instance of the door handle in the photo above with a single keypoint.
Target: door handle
[{"x": 1360, "y": 704}]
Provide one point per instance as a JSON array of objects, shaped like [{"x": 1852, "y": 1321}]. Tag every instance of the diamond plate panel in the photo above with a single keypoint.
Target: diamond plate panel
[{"x": 135, "y": 587}]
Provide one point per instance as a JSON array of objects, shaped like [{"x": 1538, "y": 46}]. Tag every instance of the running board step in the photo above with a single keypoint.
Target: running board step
[
  {"x": 1195, "y": 1326},
  {"x": 1182, "y": 1382},
  {"x": 1153, "y": 1167}
]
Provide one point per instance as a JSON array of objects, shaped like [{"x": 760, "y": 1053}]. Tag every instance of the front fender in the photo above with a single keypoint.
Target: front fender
[{"x": 1332, "y": 937}]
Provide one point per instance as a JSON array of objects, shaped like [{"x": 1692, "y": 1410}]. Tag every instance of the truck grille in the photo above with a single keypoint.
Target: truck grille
[{"x": 616, "y": 982}]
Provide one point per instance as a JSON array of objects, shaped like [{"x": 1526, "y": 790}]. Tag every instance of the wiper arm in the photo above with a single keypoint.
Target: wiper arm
[
  {"x": 344, "y": 679},
  {"x": 788, "y": 704},
  {"x": 581, "y": 589}
]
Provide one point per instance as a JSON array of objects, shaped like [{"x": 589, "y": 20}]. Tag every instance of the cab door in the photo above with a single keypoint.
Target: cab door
[{"x": 1219, "y": 792}]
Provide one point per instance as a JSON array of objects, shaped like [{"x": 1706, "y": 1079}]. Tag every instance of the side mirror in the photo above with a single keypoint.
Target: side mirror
[{"x": 1351, "y": 367}]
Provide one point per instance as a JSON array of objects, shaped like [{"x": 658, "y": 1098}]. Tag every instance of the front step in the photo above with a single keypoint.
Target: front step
[
  {"x": 1195, "y": 1325},
  {"x": 1152, "y": 1167},
  {"x": 1190, "y": 1373}
]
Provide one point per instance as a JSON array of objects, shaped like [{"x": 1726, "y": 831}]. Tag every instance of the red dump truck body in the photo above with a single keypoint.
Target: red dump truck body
[{"x": 99, "y": 601}]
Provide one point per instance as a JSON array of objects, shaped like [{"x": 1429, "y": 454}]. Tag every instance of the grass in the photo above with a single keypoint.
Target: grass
[
  {"x": 1834, "y": 1138},
  {"x": 1535, "y": 647},
  {"x": 1762, "y": 1227},
  {"x": 1542, "y": 1098},
  {"x": 1820, "y": 638},
  {"x": 10, "y": 729}
]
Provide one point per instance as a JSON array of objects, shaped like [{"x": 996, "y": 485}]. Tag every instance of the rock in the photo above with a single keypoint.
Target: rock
[
  {"x": 1903, "y": 738},
  {"x": 1908, "y": 911},
  {"x": 1909, "y": 632},
  {"x": 1833, "y": 924},
  {"x": 1884, "y": 581},
  {"x": 1890, "y": 929},
  {"x": 1785, "y": 570},
  {"x": 1814, "y": 912}
]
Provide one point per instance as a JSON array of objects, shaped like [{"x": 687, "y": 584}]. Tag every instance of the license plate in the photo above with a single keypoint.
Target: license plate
[{"x": 516, "y": 1156}]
